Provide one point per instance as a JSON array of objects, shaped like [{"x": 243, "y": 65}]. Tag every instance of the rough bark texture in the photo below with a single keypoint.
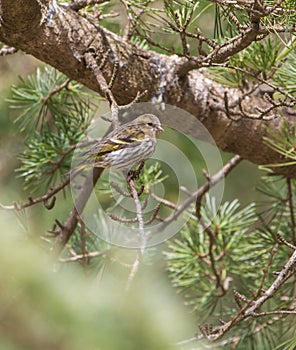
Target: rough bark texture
[{"x": 60, "y": 37}]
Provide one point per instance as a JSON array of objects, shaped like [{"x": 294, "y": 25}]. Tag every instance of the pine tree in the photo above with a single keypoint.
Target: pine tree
[{"x": 213, "y": 71}]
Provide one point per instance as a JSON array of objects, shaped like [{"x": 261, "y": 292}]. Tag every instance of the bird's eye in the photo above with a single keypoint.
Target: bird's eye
[{"x": 150, "y": 124}]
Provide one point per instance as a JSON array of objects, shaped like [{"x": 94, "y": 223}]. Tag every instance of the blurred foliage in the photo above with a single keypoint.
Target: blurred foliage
[{"x": 45, "y": 306}]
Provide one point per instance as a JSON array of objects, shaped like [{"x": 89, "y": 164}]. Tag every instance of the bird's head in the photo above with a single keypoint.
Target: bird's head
[{"x": 150, "y": 124}]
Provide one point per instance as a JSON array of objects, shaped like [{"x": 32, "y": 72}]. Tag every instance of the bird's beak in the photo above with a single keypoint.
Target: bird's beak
[{"x": 159, "y": 128}]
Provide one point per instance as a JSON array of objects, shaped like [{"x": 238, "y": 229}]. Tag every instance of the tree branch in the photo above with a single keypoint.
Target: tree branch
[
  {"x": 250, "y": 309},
  {"x": 60, "y": 37},
  {"x": 198, "y": 194}
]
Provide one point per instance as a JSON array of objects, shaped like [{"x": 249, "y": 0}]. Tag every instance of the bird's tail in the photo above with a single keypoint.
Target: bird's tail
[{"x": 78, "y": 169}]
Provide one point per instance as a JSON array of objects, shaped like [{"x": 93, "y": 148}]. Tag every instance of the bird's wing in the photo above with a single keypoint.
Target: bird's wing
[
  {"x": 117, "y": 141},
  {"x": 126, "y": 137}
]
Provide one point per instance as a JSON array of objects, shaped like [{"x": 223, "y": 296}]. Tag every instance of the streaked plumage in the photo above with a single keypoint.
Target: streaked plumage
[{"x": 126, "y": 146}]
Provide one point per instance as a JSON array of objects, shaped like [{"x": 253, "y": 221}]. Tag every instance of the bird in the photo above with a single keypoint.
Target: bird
[{"x": 126, "y": 146}]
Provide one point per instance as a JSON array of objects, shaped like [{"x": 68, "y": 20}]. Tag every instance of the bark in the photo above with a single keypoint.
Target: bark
[{"x": 60, "y": 37}]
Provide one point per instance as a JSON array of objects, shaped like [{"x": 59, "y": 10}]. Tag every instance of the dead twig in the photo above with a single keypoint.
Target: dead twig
[
  {"x": 77, "y": 257},
  {"x": 45, "y": 198}
]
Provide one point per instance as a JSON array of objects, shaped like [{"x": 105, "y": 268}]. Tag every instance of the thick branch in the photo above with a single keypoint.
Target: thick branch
[{"x": 60, "y": 37}]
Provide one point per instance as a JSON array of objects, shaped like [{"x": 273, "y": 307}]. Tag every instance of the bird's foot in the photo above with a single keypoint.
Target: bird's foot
[{"x": 135, "y": 174}]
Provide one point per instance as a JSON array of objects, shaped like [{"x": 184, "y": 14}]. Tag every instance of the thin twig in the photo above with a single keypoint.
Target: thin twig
[
  {"x": 130, "y": 28},
  {"x": 56, "y": 90},
  {"x": 53, "y": 190},
  {"x": 121, "y": 219},
  {"x": 134, "y": 270},
  {"x": 139, "y": 214},
  {"x": 263, "y": 81},
  {"x": 219, "y": 282},
  {"x": 275, "y": 312},
  {"x": 286, "y": 272},
  {"x": 162, "y": 200},
  {"x": 273, "y": 251},
  {"x": 154, "y": 214},
  {"x": 119, "y": 190},
  {"x": 106, "y": 87},
  {"x": 78, "y": 257},
  {"x": 95, "y": 68},
  {"x": 291, "y": 208},
  {"x": 198, "y": 194},
  {"x": 32, "y": 201},
  {"x": 285, "y": 242}
]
